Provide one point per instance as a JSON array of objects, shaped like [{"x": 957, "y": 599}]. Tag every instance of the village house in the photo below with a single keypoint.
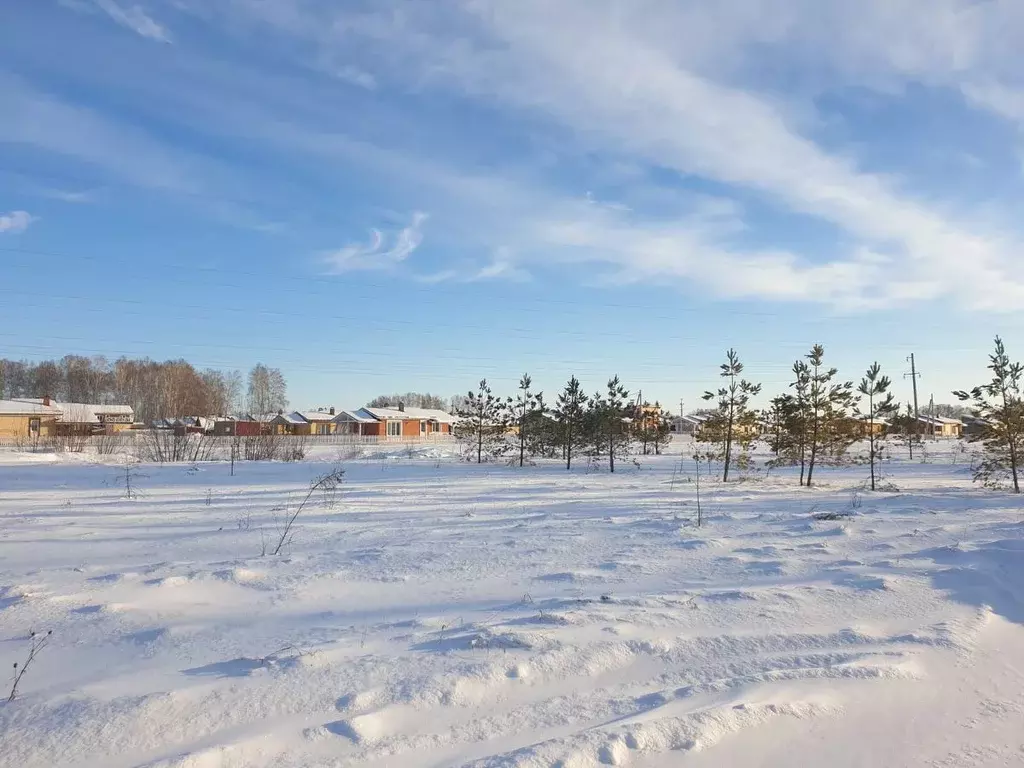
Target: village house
[
  {"x": 867, "y": 426},
  {"x": 27, "y": 419},
  {"x": 86, "y": 418},
  {"x": 974, "y": 426},
  {"x": 411, "y": 422},
  {"x": 358, "y": 423},
  {"x": 687, "y": 424},
  {"x": 239, "y": 426},
  {"x": 940, "y": 426},
  {"x": 395, "y": 423}
]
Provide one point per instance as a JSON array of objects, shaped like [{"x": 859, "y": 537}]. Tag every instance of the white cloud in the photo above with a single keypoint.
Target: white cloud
[
  {"x": 356, "y": 76},
  {"x": 620, "y": 83},
  {"x": 381, "y": 252},
  {"x": 15, "y": 222},
  {"x": 134, "y": 18},
  {"x": 718, "y": 93}
]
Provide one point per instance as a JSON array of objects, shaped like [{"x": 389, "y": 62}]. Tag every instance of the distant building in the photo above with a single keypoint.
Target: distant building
[
  {"x": 940, "y": 426},
  {"x": 688, "y": 424},
  {"x": 86, "y": 418},
  {"x": 395, "y": 423},
  {"x": 974, "y": 426},
  {"x": 27, "y": 419},
  {"x": 867, "y": 426}
]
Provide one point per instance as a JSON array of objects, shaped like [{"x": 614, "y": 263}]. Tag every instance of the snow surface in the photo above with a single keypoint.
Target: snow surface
[{"x": 436, "y": 613}]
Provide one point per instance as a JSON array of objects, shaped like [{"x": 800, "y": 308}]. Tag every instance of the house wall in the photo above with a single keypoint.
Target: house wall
[
  {"x": 16, "y": 425},
  {"x": 411, "y": 428}
]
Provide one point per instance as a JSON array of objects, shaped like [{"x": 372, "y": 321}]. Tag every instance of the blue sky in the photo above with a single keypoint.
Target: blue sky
[{"x": 394, "y": 195}]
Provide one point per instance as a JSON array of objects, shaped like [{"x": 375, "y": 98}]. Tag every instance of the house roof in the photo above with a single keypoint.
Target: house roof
[
  {"x": 878, "y": 420},
  {"x": 82, "y": 413},
  {"x": 409, "y": 414},
  {"x": 939, "y": 420},
  {"x": 316, "y": 415},
  {"x": 27, "y": 408},
  {"x": 692, "y": 418},
  {"x": 291, "y": 418},
  {"x": 359, "y": 415}
]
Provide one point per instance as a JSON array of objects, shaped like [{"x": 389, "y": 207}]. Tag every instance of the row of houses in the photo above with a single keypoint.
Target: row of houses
[
  {"x": 396, "y": 423},
  {"x": 32, "y": 418},
  {"x": 928, "y": 426}
]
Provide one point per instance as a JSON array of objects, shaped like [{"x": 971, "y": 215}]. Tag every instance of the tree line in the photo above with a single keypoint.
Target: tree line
[
  {"x": 154, "y": 389},
  {"x": 812, "y": 424},
  {"x": 604, "y": 426}
]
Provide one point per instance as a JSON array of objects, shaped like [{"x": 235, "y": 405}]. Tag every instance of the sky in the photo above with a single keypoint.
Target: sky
[{"x": 395, "y": 195}]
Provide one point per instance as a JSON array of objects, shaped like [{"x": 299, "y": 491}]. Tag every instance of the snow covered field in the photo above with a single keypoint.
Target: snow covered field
[{"x": 443, "y": 614}]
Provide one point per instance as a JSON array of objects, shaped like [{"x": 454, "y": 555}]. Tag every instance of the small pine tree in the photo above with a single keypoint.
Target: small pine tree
[
  {"x": 483, "y": 421},
  {"x": 609, "y": 413},
  {"x": 829, "y": 432},
  {"x": 798, "y": 417},
  {"x": 733, "y": 423},
  {"x": 881, "y": 405},
  {"x": 570, "y": 415},
  {"x": 524, "y": 410},
  {"x": 1001, "y": 407}
]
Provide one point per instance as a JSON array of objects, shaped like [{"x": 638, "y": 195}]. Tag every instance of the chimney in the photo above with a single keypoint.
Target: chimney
[
  {"x": 401, "y": 407},
  {"x": 332, "y": 410},
  {"x": 46, "y": 400}
]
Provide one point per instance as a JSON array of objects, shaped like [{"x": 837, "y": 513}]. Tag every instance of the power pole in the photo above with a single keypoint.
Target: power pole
[{"x": 917, "y": 424}]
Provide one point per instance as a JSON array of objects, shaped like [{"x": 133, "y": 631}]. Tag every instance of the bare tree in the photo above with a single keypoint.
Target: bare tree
[{"x": 268, "y": 392}]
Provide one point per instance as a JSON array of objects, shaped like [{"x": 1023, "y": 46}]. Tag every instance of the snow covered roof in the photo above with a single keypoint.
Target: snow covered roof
[
  {"x": 939, "y": 420},
  {"x": 410, "y": 414},
  {"x": 316, "y": 415},
  {"x": 27, "y": 408},
  {"x": 82, "y": 413},
  {"x": 359, "y": 415},
  {"x": 292, "y": 418},
  {"x": 877, "y": 420},
  {"x": 692, "y": 418}
]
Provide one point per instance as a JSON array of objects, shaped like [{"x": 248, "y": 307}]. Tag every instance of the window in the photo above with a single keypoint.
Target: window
[
  {"x": 394, "y": 429},
  {"x": 423, "y": 427},
  {"x": 33, "y": 427}
]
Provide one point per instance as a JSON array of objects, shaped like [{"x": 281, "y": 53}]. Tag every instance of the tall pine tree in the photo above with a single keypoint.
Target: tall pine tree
[
  {"x": 881, "y": 405},
  {"x": 798, "y": 417},
  {"x": 999, "y": 404},
  {"x": 527, "y": 406},
  {"x": 610, "y": 412},
  {"x": 828, "y": 431},
  {"x": 570, "y": 412},
  {"x": 733, "y": 422}
]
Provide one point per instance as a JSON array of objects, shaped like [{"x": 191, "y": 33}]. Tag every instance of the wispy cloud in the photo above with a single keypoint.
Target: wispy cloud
[
  {"x": 720, "y": 97},
  {"x": 68, "y": 196},
  {"x": 383, "y": 251},
  {"x": 134, "y": 18},
  {"x": 15, "y": 222}
]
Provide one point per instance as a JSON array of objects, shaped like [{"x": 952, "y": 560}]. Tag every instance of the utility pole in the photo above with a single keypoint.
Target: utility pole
[{"x": 917, "y": 424}]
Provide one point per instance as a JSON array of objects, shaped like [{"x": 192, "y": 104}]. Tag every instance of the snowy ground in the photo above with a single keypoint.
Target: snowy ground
[{"x": 443, "y": 614}]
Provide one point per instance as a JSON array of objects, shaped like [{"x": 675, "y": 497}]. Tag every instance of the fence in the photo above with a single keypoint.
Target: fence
[{"x": 125, "y": 441}]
